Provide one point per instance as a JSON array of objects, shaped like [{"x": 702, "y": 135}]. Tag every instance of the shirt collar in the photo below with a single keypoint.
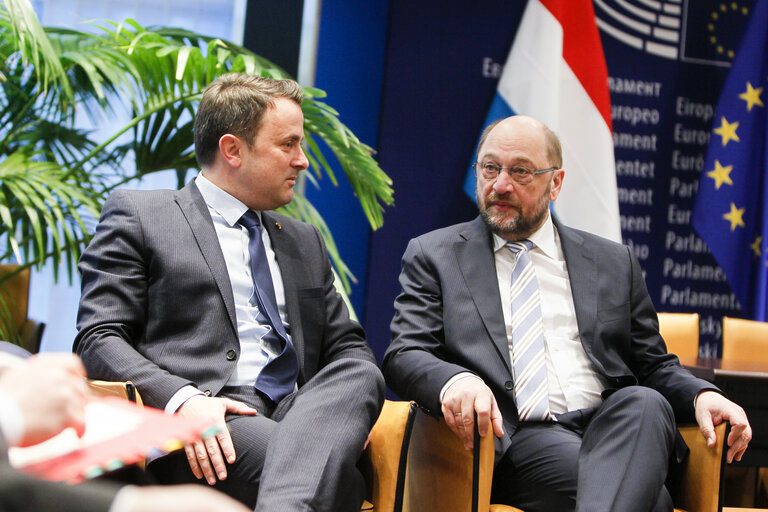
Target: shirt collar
[
  {"x": 225, "y": 204},
  {"x": 543, "y": 238}
]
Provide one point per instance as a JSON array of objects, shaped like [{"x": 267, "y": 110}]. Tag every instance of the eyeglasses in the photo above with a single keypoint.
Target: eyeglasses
[{"x": 522, "y": 175}]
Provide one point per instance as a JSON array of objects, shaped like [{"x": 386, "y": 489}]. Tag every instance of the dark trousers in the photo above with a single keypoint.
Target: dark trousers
[
  {"x": 301, "y": 453},
  {"x": 612, "y": 458}
]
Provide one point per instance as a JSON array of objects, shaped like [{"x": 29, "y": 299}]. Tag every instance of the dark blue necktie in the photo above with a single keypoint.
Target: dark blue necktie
[{"x": 278, "y": 377}]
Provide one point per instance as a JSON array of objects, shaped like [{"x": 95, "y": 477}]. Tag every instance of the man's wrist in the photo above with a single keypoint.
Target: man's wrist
[
  {"x": 454, "y": 379},
  {"x": 180, "y": 397}
]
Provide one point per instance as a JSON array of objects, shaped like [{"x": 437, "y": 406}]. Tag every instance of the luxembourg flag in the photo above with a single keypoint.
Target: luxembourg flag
[{"x": 556, "y": 73}]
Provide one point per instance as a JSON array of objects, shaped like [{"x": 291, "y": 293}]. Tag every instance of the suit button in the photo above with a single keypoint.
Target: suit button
[
  {"x": 207, "y": 392},
  {"x": 509, "y": 386},
  {"x": 231, "y": 355}
]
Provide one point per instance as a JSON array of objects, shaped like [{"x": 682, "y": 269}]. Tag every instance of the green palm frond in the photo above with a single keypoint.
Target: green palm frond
[{"x": 44, "y": 212}]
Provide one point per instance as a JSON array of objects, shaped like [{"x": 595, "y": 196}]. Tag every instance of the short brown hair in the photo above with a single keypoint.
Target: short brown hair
[
  {"x": 235, "y": 103},
  {"x": 554, "y": 150}
]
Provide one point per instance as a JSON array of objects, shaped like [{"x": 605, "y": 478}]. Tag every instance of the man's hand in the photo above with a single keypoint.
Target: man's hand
[
  {"x": 460, "y": 402},
  {"x": 712, "y": 408},
  {"x": 50, "y": 393},
  {"x": 205, "y": 457}
]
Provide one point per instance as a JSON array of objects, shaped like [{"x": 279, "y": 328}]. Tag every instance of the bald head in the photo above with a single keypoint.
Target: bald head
[{"x": 516, "y": 126}]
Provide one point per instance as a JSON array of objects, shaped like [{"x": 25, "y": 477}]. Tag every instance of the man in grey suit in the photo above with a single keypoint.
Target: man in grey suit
[
  {"x": 210, "y": 315},
  {"x": 549, "y": 335}
]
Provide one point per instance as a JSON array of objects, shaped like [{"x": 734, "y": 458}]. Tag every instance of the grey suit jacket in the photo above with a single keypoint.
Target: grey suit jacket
[
  {"x": 448, "y": 319},
  {"x": 157, "y": 305}
]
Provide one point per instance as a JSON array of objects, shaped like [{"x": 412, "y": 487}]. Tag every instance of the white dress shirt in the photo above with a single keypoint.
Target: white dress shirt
[
  {"x": 255, "y": 352},
  {"x": 572, "y": 381}
]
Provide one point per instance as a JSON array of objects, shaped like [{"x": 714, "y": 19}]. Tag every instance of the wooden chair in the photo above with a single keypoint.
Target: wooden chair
[
  {"x": 681, "y": 333},
  {"x": 442, "y": 475},
  {"x": 745, "y": 340},
  {"x": 386, "y": 456},
  {"x": 14, "y": 324},
  {"x": 125, "y": 390}
]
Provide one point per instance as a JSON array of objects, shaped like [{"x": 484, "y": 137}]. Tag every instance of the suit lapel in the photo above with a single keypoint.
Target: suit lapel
[
  {"x": 474, "y": 252},
  {"x": 196, "y": 212},
  {"x": 287, "y": 257},
  {"x": 581, "y": 262}
]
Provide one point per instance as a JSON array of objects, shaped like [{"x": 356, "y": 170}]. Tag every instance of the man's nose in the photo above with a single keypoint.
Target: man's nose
[
  {"x": 300, "y": 162},
  {"x": 504, "y": 183}
]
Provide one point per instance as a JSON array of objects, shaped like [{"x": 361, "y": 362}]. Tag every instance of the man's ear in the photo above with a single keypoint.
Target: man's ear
[
  {"x": 557, "y": 183},
  {"x": 231, "y": 147}
]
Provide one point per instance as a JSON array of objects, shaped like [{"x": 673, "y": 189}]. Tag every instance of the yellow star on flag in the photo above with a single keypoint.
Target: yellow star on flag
[
  {"x": 752, "y": 96},
  {"x": 756, "y": 246},
  {"x": 727, "y": 130},
  {"x": 721, "y": 174},
  {"x": 735, "y": 217}
]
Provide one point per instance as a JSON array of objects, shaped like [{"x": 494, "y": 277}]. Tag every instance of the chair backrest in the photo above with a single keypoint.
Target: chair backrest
[
  {"x": 387, "y": 452},
  {"x": 681, "y": 333},
  {"x": 441, "y": 474},
  {"x": 745, "y": 340},
  {"x": 15, "y": 294}
]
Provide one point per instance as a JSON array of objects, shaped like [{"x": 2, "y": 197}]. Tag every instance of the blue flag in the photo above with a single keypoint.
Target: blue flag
[{"x": 730, "y": 213}]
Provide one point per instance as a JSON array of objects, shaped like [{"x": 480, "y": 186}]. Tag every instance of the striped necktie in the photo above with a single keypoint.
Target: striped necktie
[{"x": 528, "y": 359}]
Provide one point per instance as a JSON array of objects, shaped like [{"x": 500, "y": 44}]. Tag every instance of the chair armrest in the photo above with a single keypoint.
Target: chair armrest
[
  {"x": 125, "y": 390},
  {"x": 700, "y": 487},
  {"x": 386, "y": 454},
  {"x": 442, "y": 475}
]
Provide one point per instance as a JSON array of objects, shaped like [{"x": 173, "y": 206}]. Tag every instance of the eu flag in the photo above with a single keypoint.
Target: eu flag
[{"x": 730, "y": 213}]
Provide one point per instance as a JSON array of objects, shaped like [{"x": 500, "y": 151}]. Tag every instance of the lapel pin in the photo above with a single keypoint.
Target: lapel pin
[{"x": 279, "y": 226}]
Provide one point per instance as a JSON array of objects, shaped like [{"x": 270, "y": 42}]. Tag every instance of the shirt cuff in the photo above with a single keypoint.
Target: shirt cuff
[
  {"x": 11, "y": 420},
  {"x": 453, "y": 379},
  {"x": 181, "y": 396}
]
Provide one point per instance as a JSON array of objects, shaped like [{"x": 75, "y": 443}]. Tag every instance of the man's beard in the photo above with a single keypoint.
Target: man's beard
[{"x": 515, "y": 226}]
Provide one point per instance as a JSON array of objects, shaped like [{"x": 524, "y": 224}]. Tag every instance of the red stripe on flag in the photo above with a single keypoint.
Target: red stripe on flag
[{"x": 583, "y": 50}]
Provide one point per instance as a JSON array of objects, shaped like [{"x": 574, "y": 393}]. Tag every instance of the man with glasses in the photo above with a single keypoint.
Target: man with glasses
[{"x": 549, "y": 335}]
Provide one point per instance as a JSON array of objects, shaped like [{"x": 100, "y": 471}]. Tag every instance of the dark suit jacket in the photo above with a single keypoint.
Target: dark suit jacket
[
  {"x": 449, "y": 319},
  {"x": 19, "y": 492},
  {"x": 157, "y": 305}
]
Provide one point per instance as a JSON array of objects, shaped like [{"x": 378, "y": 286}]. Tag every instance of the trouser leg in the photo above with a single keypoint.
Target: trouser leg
[
  {"x": 625, "y": 454},
  {"x": 311, "y": 459},
  {"x": 538, "y": 472}
]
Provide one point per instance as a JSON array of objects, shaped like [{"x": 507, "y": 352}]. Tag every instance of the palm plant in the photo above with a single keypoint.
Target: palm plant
[{"x": 54, "y": 177}]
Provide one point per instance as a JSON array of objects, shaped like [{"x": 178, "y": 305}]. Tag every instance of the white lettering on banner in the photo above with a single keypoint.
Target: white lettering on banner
[
  {"x": 636, "y": 196},
  {"x": 709, "y": 325},
  {"x": 684, "y": 107},
  {"x": 676, "y": 215},
  {"x": 685, "y": 243},
  {"x": 690, "y": 270},
  {"x": 640, "y": 223},
  {"x": 685, "y": 189},
  {"x": 635, "y": 168},
  {"x": 690, "y": 298},
  {"x": 634, "y": 87},
  {"x": 634, "y": 115},
  {"x": 491, "y": 69},
  {"x": 641, "y": 251},
  {"x": 683, "y": 162},
  {"x": 690, "y": 135},
  {"x": 634, "y": 141}
]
